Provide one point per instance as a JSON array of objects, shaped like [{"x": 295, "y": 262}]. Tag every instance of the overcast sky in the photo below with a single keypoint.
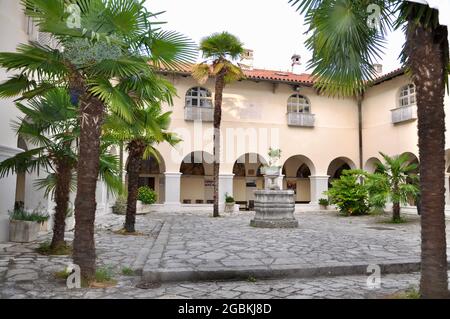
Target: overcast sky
[{"x": 271, "y": 28}]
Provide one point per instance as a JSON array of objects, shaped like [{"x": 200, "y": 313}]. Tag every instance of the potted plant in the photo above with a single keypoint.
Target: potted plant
[
  {"x": 24, "y": 226},
  {"x": 324, "y": 203},
  {"x": 229, "y": 203},
  {"x": 146, "y": 196},
  {"x": 120, "y": 206}
]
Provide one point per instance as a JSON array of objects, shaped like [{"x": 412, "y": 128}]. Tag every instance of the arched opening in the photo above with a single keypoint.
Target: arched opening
[
  {"x": 197, "y": 180},
  {"x": 337, "y": 167},
  {"x": 372, "y": 165},
  {"x": 152, "y": 175},
  {"x": 19, "y": 202},
  {"x": 413, "y": 159},
  {"x": 247, "y": 178},
  {"x": 297, "y": 171}
]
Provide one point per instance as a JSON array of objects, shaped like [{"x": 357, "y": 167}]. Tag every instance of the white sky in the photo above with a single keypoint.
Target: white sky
[{"x": 272, "y": 28}]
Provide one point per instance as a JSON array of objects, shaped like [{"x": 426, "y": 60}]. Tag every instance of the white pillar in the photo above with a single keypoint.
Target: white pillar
[
  {"x": 7, "y": 193},
  {"x": 225, "y": 186},
  {"x": 447, "y": 189},
  {"x": 319, "y": 184},
  {"x": 172, "y": 189}
]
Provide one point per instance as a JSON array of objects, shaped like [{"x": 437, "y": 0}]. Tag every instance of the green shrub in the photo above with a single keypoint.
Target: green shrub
[
  {"x": 146, "y": 195},
  {"x": 229, "y": 199},
  {"x": 349, "y": 194},
  {"x": 120, "y": 206},
  {"x": 324, "y": 202},
  {"x": 35, "y": 216}
]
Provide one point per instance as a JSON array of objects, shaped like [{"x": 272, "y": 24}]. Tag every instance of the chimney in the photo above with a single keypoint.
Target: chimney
[
  {"x": 247, "y": 60},
  {"x": 296, "y": 62},
  {"x": 378, "y": 69}
]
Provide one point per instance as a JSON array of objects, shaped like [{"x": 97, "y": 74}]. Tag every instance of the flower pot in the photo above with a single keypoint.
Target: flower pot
[
  {"x": 21, "y": 231},
  {"x": 43, "y": 227},
  {"x": 323, "y": 207},
  {"x": 229, "y": 207}
]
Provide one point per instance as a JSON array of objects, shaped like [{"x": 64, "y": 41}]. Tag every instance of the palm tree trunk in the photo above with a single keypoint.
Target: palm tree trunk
[
  {"x": 62, "y": 193},
  {"x": 396, "y": 211},
  {"x": 91, "y": 114},
  {"x": 427, "y": 49},
  {"x": 133, "y": 170},
  {"x": 220, "y": 85}
]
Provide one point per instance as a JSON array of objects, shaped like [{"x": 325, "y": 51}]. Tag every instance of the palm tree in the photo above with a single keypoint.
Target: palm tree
[
  {"x": 51, "y": 125},
  {"x": 150, "y": 128},
  {"x": 395, "y": 180},
  {"x": 344, "y": 49},
  {"x": 218, "y": 48},
  {"x": 114, "y": 40}
]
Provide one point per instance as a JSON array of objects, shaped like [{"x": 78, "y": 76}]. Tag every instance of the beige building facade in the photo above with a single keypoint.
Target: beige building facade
[{"x": 319, "y": 136}]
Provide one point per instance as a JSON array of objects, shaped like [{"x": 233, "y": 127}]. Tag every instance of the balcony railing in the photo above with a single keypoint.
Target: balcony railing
[
  {"x": 404, "y": 114},
  {"x": 203, "y": 114},
  {"x": 301, "y": 119}
]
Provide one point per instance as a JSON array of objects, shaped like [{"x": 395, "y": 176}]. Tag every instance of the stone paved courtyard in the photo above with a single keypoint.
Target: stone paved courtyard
[{"x": 197, "y": 242}]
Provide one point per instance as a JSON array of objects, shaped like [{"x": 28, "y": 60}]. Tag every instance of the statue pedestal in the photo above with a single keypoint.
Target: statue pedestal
[{"x": 274, "y": 209}]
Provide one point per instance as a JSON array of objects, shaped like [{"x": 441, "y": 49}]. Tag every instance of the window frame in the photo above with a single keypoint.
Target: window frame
[
  {"x": 410, "y": 97},
  {"x": 189, "y": 98},
  {"x": 298, "y": 105}
]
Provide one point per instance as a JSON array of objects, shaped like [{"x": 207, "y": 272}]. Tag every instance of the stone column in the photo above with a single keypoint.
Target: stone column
[
  {"x": 319, "y": 184},
  {"x": 172, "y": 189},
  {"x": 7, "y": 193},
  {"x": 447, "y": 189},
  {"x": 225, "y": 186}
]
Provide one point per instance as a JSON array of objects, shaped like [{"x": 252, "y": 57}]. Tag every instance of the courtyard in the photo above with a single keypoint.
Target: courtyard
[{"x": 191, "y": 255}]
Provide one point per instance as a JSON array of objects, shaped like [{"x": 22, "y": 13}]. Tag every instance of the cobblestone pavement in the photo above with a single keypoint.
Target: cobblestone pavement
[
  {"x": 199, "y": 243},
  {"x": 26, "y": 274}
]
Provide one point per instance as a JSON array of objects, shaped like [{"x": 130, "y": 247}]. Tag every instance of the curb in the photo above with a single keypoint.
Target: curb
[
  {"x": 241, "y": 273},
  {"x": 139, "y": 263}
]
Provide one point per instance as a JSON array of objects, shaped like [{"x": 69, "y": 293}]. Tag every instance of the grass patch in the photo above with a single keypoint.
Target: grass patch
[
  {"x": 251, "y": 279},
  {"x": 127, "y": 271},
  {"x": 46, "y": 249},
  {"x": 377, "y": 212},
  {"x": 397, "y": 221},
  {"x": 103, "y": 278},
  {"x": 123, "y": 232},
  {"x": 410, "y": 293},
  {"x": 63, "y": 274}
]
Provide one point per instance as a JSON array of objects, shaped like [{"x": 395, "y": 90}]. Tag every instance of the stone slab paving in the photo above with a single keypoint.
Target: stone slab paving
[
  {"x": 198, "y": 247},
  {"x": 196, "y": 240},
  {"x": 344, "y": 287}
]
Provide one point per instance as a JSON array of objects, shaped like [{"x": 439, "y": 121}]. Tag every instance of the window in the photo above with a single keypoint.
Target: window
[
  {"x": 408, "y": 95},
  {"x": 199, "y": 97},
  {"x": 298, "y": 104}
]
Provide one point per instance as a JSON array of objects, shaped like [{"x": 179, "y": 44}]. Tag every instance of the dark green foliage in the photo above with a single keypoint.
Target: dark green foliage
[
  {"x": 349, "y": 194},
  {"x": 147, "y": 195}
]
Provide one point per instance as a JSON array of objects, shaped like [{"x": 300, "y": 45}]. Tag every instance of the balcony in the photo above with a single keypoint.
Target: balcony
[
  {"x": 301, "y": 119},
  {"x": 404, "y": 114},
  {"x": 204, "y": 114}
]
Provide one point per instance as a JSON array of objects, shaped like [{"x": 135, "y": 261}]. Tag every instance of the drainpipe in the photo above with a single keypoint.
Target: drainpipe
[{"x": 360, "y": 129}]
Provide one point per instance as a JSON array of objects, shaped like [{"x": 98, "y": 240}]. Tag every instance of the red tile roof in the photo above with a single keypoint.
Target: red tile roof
[
  {"x": 285, "y": 77},
  {"x": 260, "y": 75}
]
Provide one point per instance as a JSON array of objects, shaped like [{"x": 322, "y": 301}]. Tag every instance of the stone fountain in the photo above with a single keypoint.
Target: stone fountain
[{"x": 274, "y": 207}]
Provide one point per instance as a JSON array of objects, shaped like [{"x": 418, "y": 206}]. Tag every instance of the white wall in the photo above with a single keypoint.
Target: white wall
[{"x": 12, "y": 32}]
